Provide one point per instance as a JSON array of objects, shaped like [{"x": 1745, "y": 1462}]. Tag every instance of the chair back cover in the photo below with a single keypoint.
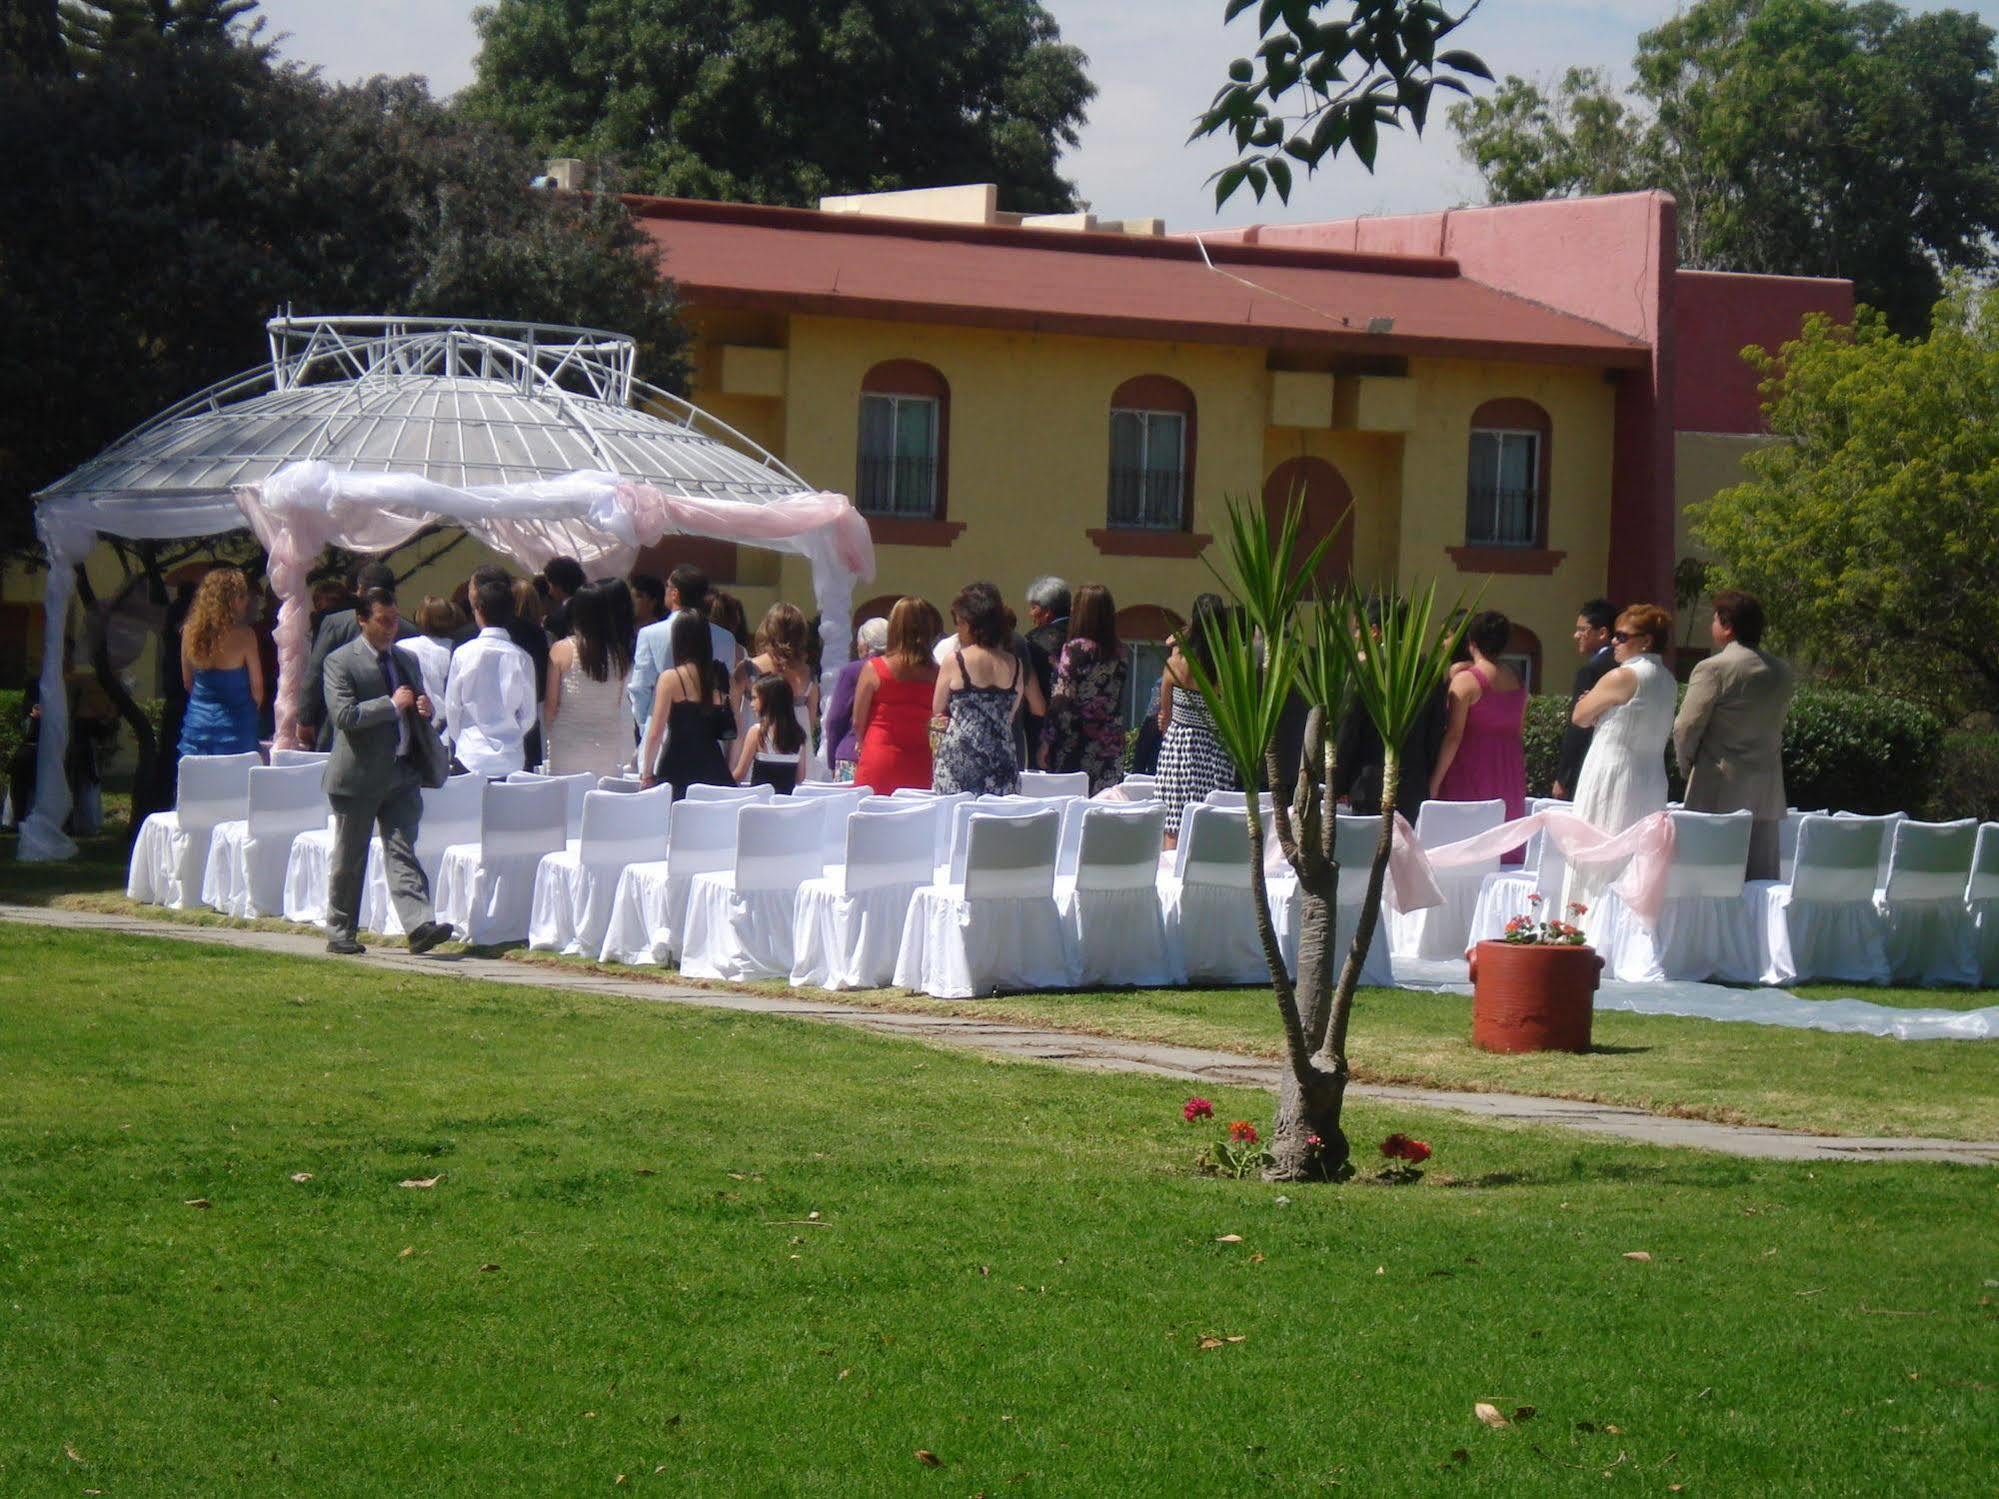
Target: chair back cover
[
  {"x": 1140, "y": 785},
  {"x": 890, "y": 843},
  {"x": 836, "y": 805},
  {"x": 779, "y": 845},
  {"x": 285, "y": 799},
  {"x": 214, "y": 788},
  {"x": 963, "y": 807},
  {"x": 911, "y": 793},
  {"x": 1011, "y": 856},
  {"x": 299, "y": 757},
  {"x": 729, "y": 793},
  {"x": 1236, "y": 799},
  {"x": 1888, "y": 821},
  {"x": 1120, "y": 846},
  {"x": 1838, "y": 858},
  {"x": 1930, "y": 860},
  {"x": 625, "y": 827},
  {"x": 1054, "y": 783},
  {"x": 1214, "y": 846},
  {"x": 451, "y": 814},
  {"x": 1710, "y": 855},
  {"x": 1441, "y": 823},
  {"x": 616, "y": 784},
  {"x": 1984, "y": 881},
  {"x": 704, "y": 835},
  {"x": 1354, "y": 837},
  {"x": 810, "y": 789},
  {"x": 523, "y": 817}
]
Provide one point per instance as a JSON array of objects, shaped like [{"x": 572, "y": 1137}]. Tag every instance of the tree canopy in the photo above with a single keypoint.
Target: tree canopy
[
  {"x": 175, "y": 187},
  {"x": 1800, "y": 137},
  {"x": 1871, "y": 531},
  {"x": 784, "y": 103}
]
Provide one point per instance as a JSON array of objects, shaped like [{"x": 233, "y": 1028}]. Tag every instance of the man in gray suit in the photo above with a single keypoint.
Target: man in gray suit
[
  {"x": 1729, "y": 735},
  {"x": 372, "y": 780}
]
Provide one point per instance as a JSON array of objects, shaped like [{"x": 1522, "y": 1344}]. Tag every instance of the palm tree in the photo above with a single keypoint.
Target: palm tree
[{"x": 1273, "y": 643}]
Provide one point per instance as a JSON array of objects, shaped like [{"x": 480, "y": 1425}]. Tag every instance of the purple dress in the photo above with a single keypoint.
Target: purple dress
[{"x": 1490, "y": 764}]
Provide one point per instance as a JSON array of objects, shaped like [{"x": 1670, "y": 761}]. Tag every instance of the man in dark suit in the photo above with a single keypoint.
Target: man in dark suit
[
  {"x": 372, "y": 780},
  {"x": 564, "y": 575},
  {"x": 336, "y": 630},
  {"x": 1593, "y": 625}
]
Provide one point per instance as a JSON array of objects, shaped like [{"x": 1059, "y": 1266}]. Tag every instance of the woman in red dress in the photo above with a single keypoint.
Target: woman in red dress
[{"x": 892, "y": 702}]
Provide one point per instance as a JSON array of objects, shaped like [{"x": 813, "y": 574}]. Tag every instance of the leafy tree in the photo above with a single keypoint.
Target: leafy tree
[
  {"x": 784, "y": 103},
  {"x": 1328, "y": 651},
  {"x": 1800, "y": 137},
  {"x": 1871, "y": 531},
  {"x": 1371, "y": 63}
]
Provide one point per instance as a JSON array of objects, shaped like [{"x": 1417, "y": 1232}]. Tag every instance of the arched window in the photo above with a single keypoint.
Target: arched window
[
  {"x": 1327, "y": 498},
  {"x": 1152, "y": 455},
  {"x": 1506, "y": 480},
  {"x": 903, "y": 468}
]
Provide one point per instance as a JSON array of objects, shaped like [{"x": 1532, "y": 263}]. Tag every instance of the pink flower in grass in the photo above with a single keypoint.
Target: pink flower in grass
[{"x": 1197, "y": 1108}]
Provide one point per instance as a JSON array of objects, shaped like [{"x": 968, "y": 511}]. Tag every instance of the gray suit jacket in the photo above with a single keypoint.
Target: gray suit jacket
[
  {"x": 1729, "y": 735},
  {"x": 358, "y": 706}
]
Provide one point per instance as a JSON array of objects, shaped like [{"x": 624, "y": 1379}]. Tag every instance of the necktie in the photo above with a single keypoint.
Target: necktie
[{"x": 394, "y": 679}]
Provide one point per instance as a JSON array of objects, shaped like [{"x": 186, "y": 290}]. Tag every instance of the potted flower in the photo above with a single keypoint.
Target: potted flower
[{"x": 1535, "y": 988}]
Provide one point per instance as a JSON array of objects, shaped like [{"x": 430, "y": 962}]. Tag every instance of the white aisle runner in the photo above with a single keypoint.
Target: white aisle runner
[{"x": 1757, "y": 1006}]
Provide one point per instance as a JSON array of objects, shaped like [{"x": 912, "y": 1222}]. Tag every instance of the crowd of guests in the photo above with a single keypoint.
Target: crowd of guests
[{"x": 660, "y": 678}]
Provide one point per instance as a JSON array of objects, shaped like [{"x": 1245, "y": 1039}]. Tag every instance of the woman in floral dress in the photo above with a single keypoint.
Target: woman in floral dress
[
  {"x": 979, "y": 691},
  {"x": 1085, "y": 729}
]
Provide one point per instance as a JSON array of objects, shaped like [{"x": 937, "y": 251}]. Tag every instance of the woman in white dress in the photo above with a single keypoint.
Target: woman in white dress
[
  {"x": 587, "y": 720},
  {"x": 1624, "y": 774}
]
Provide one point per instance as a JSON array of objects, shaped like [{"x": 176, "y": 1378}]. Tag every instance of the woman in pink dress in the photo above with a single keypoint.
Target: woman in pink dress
[{"x": 1481, "y": 758}]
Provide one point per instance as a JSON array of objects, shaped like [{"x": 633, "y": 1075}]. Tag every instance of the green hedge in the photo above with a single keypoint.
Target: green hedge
[
  {"x": 10, "y": 724},
  {"x": 1849, "y": 751}
]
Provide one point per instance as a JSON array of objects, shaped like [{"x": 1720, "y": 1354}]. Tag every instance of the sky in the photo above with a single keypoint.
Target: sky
[{"x": 1156, "y": 63}]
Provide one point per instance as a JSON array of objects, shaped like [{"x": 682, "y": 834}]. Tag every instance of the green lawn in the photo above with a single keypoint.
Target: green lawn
[{"x": 618, "y": 1271}]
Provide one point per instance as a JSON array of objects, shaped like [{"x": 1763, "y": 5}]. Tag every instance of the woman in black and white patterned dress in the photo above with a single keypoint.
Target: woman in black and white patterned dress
[{"x": 1192, "y": 761}]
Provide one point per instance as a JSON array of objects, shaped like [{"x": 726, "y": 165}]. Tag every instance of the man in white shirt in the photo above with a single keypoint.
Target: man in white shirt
[
  {"x": 686, "y": 592},
  {"x": 489, "y": 701}
]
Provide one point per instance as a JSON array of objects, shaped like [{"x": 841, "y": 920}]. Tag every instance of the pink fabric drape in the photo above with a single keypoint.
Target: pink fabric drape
[{"x": 1644, "y": 850}]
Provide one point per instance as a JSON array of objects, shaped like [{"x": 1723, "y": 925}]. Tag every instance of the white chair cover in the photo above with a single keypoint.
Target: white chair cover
[
  {"x": 649, "y": 908},
  {"x": 577, "y": 786},
  {"x": 1981, "y": 894},
  {"x": 299, "y": 757},
  {"x": 1708, "y": 927},
  {"x": 739, "y": 920},
  {"x": 247, "y": 859},
  {"x": 1209, "y": 912},
  {"x": 837, "y": 801},
  {"x": 1354, "y": 838},
  {"x": 999, "y": 929},
  {"x": 847, "y": 927},
  {"x": 1444, "y": 931},
  {"x": 1888, "y": 821},
  {"x": 1111, "y": 916},
  {"x": 1823, "y": 923},
  {"x": 485, "y": 890},
  {"x": 1504, "y": 895},
  {"x": 573, "y": 886},
  {"x": 1054, "y": 783},
  {"x": 1073, "y": 810},
  {"x": 307, "y": 869},
  {"x": 170, "y": 855},
  {"x": 1931, "y": 935},
  {"x": 964, "y": 807},
  {"x": 626, "y": 785},
  {"x": 1139, "y": 787},
  {"x": 1787, "y": 838},
  {"x": 703, "y": 793}
]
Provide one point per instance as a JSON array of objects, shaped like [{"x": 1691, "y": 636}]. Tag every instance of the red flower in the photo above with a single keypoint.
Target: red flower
[
  {"x": 1197, "y": 1108},
  {"x": 1313, "y": 1142},
  {"x": 1577, "y": 908},
  {"x": 1242, "y": 1132},
  {"x": 1534, "y": 900},
  {"x": 1399, "y": 1146}
]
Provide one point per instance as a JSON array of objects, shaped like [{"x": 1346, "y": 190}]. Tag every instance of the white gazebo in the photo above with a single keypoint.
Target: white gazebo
[{"x": 539, "y": 441}]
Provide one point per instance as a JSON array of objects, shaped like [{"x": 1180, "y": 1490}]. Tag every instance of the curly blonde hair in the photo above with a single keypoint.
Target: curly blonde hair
[{"x": 217, "y": 609}]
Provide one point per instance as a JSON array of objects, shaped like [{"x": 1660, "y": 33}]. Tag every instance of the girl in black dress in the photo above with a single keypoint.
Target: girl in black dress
[{"x": 691, "y": 708}]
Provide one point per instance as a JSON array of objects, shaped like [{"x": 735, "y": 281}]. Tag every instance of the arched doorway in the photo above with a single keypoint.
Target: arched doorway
[{"x": 1327, "y": 497}]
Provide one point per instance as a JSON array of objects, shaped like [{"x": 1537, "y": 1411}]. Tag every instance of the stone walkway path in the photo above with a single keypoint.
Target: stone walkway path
[{"x": 1101, "y": 1053}]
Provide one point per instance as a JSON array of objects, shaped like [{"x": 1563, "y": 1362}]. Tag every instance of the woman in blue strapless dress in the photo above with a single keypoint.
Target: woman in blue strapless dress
[{"x": 220, "y": 665}]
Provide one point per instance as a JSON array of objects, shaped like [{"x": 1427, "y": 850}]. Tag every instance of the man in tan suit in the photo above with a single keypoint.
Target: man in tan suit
[{"x": 1729, "y": 736}]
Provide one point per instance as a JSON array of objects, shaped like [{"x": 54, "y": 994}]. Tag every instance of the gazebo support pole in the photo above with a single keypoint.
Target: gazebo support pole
[{"x": 42, "y": 836}]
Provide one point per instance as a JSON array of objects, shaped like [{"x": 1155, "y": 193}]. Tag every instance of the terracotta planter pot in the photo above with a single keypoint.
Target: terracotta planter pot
[{"x": 1532, "y": 997}]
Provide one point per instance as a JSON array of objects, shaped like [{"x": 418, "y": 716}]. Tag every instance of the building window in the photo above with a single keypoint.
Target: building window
[
  {"x": 1506, "y": 480},
  {"x": 1152, "y": 455},
  {"x": 1142, "y": 631},
  {"x": 904, "y": 443},
  {"x": 898, "y": 474}
]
